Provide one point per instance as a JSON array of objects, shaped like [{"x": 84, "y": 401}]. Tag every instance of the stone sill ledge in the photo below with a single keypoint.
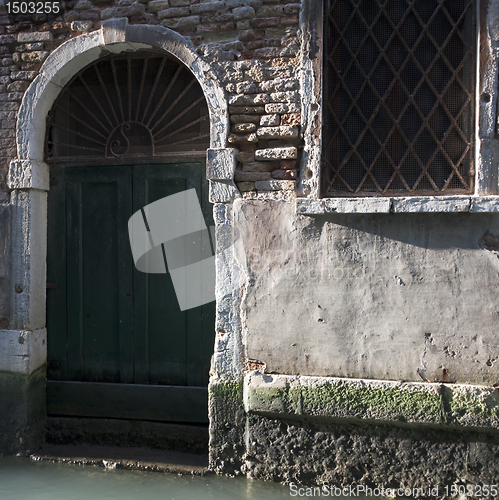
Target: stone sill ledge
[
  {"x": 435, "y": 404},
  {"x": 413, "y": 204}
]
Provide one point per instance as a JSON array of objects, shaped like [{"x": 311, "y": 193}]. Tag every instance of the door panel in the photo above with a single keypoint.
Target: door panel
[
  {"x": 57, "y": 359},
  {"x": 169, "y": 341},
  {"x": 99, "y": 278},
  {"x": 130, "y": 401},
  {"x": 159, "y": 323},
  {"x": 107, "y": 322}
]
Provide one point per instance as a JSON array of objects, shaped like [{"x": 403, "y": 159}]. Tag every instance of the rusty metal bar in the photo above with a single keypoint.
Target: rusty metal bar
[
  {"x": 181, "y": 129},
  {"x": 75, "y": 146},
  {"x": 92, "y": 95},
  {"x": 106, "y": 93},
  {"x": 173, "y": 104},
  {"x": 165, "y": 93},
  {"x": 129, "y": 71},
  {"x": 79, "y": 134},
  {"x": 117, "y": 87},
  {"x": 74, "y": 117},
  {"x": 68, "y": 91},
  {"x": 185, "y": 140},
  {"x": 141, "y": 89},
  {"x": 186, "y": 110},
  {"x": 155, "y": 85}
]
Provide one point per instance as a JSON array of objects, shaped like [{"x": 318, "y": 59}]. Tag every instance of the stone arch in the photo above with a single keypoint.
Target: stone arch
[
  {"x": 29, "y": 175},
  {"x": 114, "y": 37}
]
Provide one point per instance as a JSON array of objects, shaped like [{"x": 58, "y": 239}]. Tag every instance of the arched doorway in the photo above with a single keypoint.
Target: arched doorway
[{"x": 127, "y": 130}]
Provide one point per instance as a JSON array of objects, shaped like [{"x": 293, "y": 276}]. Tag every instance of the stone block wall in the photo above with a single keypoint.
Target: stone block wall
[
  {"x": 253, "y": 47},
  {"x": 4, "y": 265}
]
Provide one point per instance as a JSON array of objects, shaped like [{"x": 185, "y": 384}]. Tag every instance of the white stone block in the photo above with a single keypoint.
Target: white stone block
[
  {"x": 28, "y": 174},
  {"x": 289, "y": 153},
  {"x": 114, "y": 30},
  {"x": 484, "y": 204},
  {"x": 431, "y": 204},
  {"x": 29, "y": 250},
  {"x": 357, "y": 205},
  {"x": 270, "y": 120},
  {"x": 275, "y": 185},
  {"x": 222, "y": 191},
  {"x": 221, "y": 163},
  {"x": 41, "y": 36},
  {"x": 22, "y": 351},
  {"x": 307, "y": 206},
  {"x": 284, "y": 132}
]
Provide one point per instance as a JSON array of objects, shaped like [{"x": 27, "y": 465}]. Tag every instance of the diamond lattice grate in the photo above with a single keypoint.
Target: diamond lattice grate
[{"x": 398, "y": 97}]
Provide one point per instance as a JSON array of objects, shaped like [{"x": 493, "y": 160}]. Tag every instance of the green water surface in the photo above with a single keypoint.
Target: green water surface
[{"x": 22, "y": 478}]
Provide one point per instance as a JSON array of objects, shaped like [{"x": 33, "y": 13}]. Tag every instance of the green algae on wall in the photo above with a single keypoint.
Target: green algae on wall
[
  {"x": 373, "y": 400},
  {"x": 472, "y": 406},
  {"x": 227, "y": 425},
  {"x": 347, "y": 401},
  {"x": 226, "y": 390}
]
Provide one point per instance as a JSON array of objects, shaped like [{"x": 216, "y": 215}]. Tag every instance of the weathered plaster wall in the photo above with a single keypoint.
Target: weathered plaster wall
[
  {"x": 384, "y": 296},
  {"x": 388, "y": 296}
]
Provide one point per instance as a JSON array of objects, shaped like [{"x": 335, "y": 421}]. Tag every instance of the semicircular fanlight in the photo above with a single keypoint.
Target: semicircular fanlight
[{"x": 138, "y": 104}]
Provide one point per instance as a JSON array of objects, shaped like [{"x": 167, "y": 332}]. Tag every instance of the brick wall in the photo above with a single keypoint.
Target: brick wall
[{"x": 253, "y": 46}]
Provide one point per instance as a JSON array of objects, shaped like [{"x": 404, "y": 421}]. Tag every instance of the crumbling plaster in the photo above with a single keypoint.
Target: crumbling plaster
[{"x": 386, "y": 296}]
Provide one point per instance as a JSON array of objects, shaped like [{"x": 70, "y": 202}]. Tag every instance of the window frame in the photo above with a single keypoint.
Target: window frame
[
  {"x": 486, "y": 145},
  {"x": 398, "y": 148}
]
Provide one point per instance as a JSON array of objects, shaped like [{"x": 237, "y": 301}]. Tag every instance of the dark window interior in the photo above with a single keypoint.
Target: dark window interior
[
  {"x": 398, "y": 97},
  {"x": 139, "y": 104}
]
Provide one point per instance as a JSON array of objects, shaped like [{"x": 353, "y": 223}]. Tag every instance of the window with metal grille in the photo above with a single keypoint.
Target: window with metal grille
[
  {"x": 398, "y": 97},
  {"x": 140, "y": 104}
]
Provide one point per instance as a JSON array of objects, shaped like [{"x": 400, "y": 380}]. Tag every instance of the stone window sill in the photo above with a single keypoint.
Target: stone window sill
[{"x": 413, "y": 204}]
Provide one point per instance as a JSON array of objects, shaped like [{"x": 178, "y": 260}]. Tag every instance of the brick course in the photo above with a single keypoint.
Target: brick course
[{"x": 251, "y": 44}]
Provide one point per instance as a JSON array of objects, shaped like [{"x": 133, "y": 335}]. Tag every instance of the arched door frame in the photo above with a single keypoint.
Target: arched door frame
[{"x": 29, "y": 174}]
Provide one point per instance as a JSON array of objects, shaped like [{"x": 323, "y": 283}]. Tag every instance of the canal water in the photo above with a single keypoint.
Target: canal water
[
  {"x": 22, "y": 478},
  {"x": 25, "y": 479}
]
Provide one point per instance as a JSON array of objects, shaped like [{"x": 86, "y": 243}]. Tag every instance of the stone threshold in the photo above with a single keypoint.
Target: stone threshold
[
  {"x": 409, "y": 204},
  {"x": 113, "y": 457},
  {"x": 457, "y": 406}
]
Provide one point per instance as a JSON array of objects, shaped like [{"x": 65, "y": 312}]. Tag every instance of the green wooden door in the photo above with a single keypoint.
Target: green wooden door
[{"x": 118, "y": 344}]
